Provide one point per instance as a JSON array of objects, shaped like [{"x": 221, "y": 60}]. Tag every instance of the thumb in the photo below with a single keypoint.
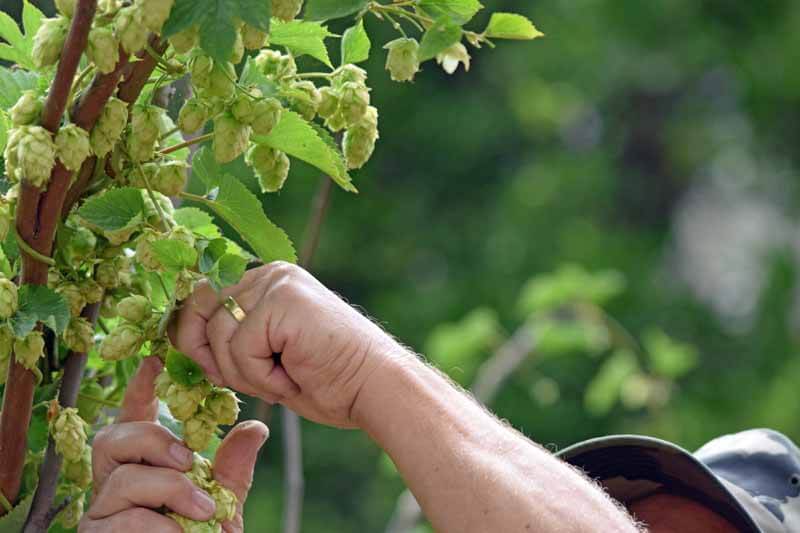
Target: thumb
[
  {"x": 140, "y": 404},
  {"x": 235, "y": 462}
]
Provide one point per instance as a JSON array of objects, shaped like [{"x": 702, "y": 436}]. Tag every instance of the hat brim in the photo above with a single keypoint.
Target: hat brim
[{"x": 631, "y": 467}]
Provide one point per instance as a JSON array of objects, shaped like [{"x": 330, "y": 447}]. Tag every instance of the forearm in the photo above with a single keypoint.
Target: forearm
[{"x": 468, "y": 471}]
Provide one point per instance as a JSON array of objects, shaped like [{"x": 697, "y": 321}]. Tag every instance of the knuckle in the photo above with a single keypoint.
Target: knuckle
[
  {"x": 102, "y": 439},
  {"x": 121, "y": 476}
]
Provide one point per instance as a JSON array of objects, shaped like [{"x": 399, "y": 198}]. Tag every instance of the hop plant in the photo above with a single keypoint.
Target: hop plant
[
  {"x": 193, "y": 116},
  {"x": 66, "y": 7},
  {"x": 145, "y": 254},
  {"x": 305, "y": 98},
  {"x": 144, "y": 132},
  {"x": 270, "y": 165},
  {"x": 348, "y": 73},
  {"x": 103, "y": 49},
  {"x": 88, "y": 408},
  {"x": 402, "y": 61},
  {"x": 452, "y": 57},
  {"x": 214, "y": 80},
  {"x": 49, "y": 41},
  {"x": 275, "y": 65},
  {"x": 81, "y": 244},
  {"x": 8, "y": 298},
  {"x": 184, "y": 401},
  {"x": 27, "y": 110},
  {"x": 69, "y": 433},
  {"x": 359, "y": 141},
  {"x": 73, "y": 296},
  {"x": 226, "y": 502},
  {"x": 286, "y": 9},
  {"x": 29, "y": 349},
  {"x": 223, "y": 406},
  {"x": 91, "y": 291},
  {"x": 131, "y": 29},
  {"x": 354, "y": 102},
  {"x": 36, "y": 156},
  {"x": 154, "y": 13},
  {"x": 79, "y": 335},
  {"x": 244, "y": 106},
  {"x": 267, "y": 115},
  {"x": 6, "y": 218},
  {"x": 170, "y": 179},
  {"x": 135, "y": 308},
  {"x": 253, "y": 38},
  {"x": 231, "y": 138},
  {"x": 72, "y": 146},
  {"x": 71, "y": 515},
  {"x": 79, "y": 472},
  {"x": 109, "y": 127},
  {"x": 185, "y": 40},
  {"x": 199, "y": 429},
  {"x": 184, "y": 285},
  {"x": 122, "y": 343}
]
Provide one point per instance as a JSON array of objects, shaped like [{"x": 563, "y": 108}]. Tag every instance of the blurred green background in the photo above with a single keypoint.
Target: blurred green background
[{"x": 655, "y": 139}]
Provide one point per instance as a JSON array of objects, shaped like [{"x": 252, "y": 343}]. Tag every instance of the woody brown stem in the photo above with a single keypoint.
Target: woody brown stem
[{"x": 38, "y": 232}]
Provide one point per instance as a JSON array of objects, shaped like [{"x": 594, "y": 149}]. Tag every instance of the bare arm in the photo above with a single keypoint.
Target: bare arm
[{"x": 468, "y": 471}]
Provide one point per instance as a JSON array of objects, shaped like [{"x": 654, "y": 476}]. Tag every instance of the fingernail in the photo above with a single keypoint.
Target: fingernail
[
  {"x": 203, "y": 502},
  {"x": 180, "y": 453}
]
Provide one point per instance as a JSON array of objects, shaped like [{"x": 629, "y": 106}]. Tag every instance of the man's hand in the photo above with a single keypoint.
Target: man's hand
[
  {"x": 138, "y": 467},
  {"x": 328, "y": 350}
]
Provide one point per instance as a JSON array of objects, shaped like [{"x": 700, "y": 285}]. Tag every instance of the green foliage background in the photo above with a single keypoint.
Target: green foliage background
[{"x": 584, "y": 147}]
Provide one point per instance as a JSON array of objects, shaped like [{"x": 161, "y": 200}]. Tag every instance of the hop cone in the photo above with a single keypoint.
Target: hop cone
[
  {"x": 226, "y": 502},
  {"x": 348, "y": 73},
  {"x": 79, "y": 473},
  {"x": 29, "y": 349},
  {"x": 135, "y": 309},
  {"x": 103, "y": 49},
  {"x": 402, "y": 61},
  {"x": 109, "y": 127},
  {"x": 305, "y": 98},
  {"x": 69, "y": 433},
  {"x": 154, "y": 13},
  {"x": 71, "y": 515},
  {"x": 270, "y": 165},
  {"x": 123, "y": 342},
  {"x": 6, "y": 219},
  {"x": 91, "y": 291},
  {"x": 329, "y": 100},
  {"x": 199, "y": 430},
  {"x": 8, "y": 298},
  {"x": 66, "y": 7},
  {"x": 193, "y": 526},
  {"x": 223, "y": 406},
  {"x": 267, "y": 115},
  {"x": 354, "y": 102},
  {"x": 144, "y": 133},
  {"x": 231, "y": 138},
  {"x": 253, "y": 38},
  {"x": 286, "y": 9},
  {"x": 276, "y": 65},
  {"x": 131, "y": 30},
  {"x": 79, "y": 335},
  {"x": 49, "y": 41},
  {"x": 184, "y": 401},
  {"x": 74, "y": 297},
  {"x": 184, "y": 41},
  {"x": 145, "y": 254},
  {"x": 27, "y": 110},
  {"x": 359, "y": 141},
  {"x": 72, "y": 146},
  {"x": 170, "y": 179},
  {"x": 245, "y": 106},
  {"x": 193, "y": 115},
  {"x": 36, "y": 154}
]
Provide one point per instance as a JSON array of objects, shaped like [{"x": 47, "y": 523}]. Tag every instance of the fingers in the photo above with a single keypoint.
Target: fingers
[
  {"x": 188, "y": 330},
  {"x": 220, "y": 330},
  {"x": 140, "y": 403},
  {"x": 137, "y": 442},
  {"x": 131, "y": 486},
  {"x": 137, "y": 519},
  {"x": 237, "y": 456}
]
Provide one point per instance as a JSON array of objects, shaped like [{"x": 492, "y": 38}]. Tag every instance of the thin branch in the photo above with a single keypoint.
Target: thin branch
[
  {"x": 38, "y": 232},
  {"x": 40, "y": 516},
  {"x": 490, "y": 378}
]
